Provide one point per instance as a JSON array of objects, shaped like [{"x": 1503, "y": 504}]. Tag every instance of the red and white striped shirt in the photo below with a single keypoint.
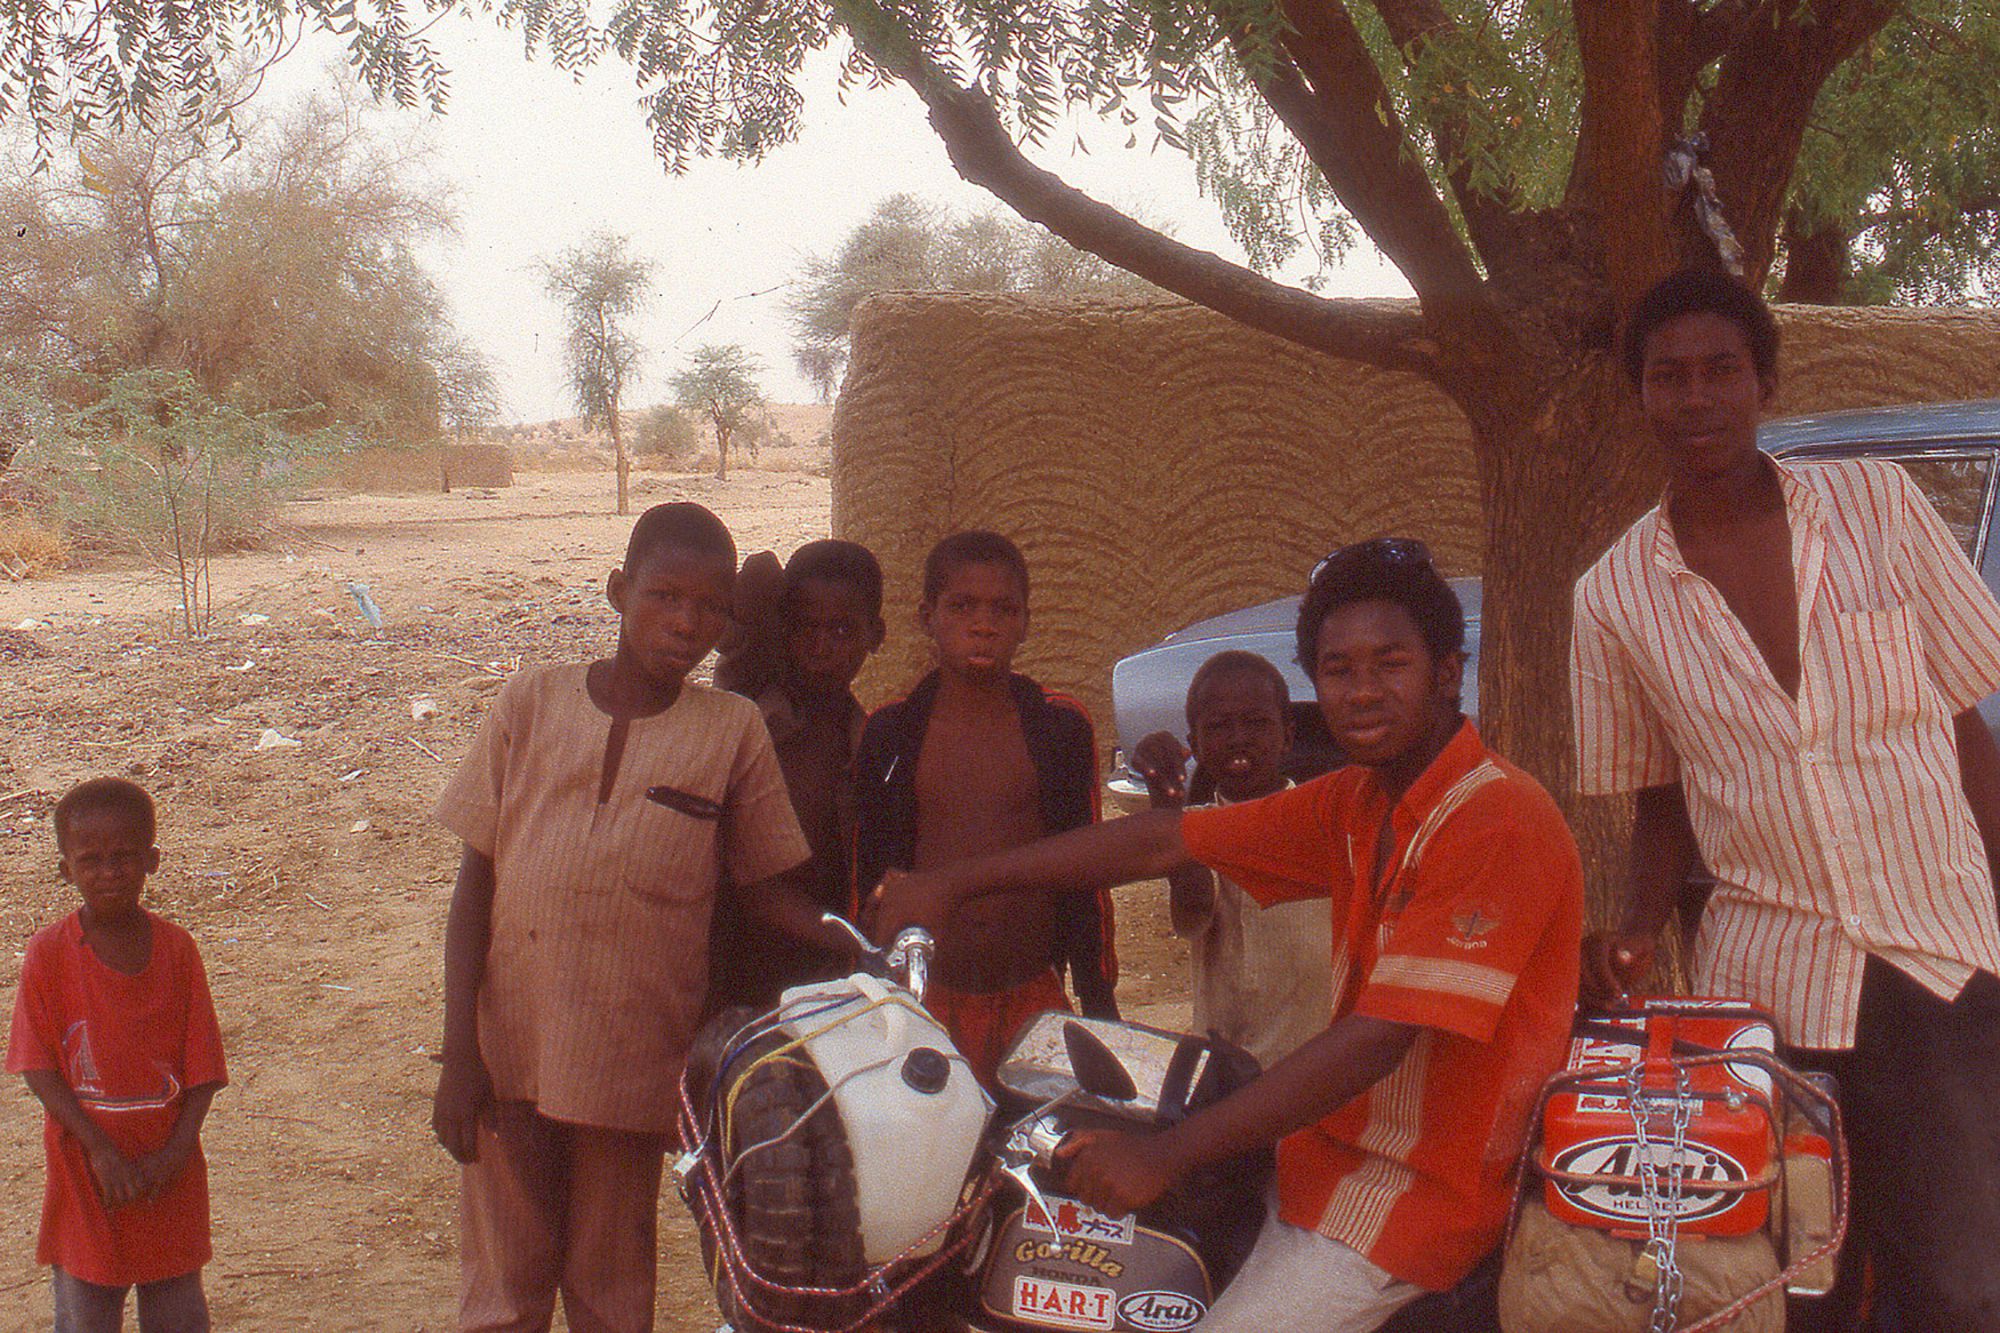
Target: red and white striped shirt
[{"x": 1834, "y": 824}]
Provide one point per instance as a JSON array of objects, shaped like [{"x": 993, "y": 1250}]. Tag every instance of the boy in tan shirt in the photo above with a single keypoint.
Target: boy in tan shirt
[{"x": 599, "y": 806}]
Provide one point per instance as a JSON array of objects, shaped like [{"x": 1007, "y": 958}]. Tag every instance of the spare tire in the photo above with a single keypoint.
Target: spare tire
[{"x": 790, "y": 1182}]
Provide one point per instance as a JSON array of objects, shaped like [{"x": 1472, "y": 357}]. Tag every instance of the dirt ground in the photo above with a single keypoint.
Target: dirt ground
[{"x": 311, "y": 875}]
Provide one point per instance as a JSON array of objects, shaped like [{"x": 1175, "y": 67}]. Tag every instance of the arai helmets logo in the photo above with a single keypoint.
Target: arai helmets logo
[
  {"x": 1161, "y": 1311},
  {"x": 1620, "y": 1157}
]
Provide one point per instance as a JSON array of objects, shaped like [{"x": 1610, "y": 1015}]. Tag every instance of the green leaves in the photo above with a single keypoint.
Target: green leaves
[
  {"x": 1902, "y": 158},
  {"x": 71, "y": 65}
]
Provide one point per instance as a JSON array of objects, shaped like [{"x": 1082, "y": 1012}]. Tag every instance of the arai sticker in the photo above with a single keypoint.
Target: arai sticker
[
  {"x": 1626, "y": 1203},
  {"x": 1161, "y": 1311}
]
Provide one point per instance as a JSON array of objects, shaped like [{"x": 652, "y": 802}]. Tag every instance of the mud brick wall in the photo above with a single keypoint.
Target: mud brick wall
[
  {"x": 1159, "y": 464},
  {"x": 401, "y": 469}
]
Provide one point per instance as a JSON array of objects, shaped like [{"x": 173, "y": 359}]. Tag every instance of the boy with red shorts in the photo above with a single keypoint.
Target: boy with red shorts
[
  {"x": 979, "y": 759},
  {"x": 115, "y": 1033}
]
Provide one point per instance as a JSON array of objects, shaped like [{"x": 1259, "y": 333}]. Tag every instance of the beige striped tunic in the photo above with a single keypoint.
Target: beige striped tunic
[
  {"x": 1834, "y": 824},
  {"x": 595, "y": 977}
]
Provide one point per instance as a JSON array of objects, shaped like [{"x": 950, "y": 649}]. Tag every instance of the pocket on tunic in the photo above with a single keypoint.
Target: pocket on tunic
[{"x": 673, "y": 856}]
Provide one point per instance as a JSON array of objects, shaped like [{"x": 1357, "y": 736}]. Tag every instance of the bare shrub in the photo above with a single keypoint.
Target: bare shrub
[{"x": 30, "y": 545}]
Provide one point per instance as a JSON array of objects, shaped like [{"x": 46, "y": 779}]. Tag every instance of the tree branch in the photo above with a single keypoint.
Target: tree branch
[
  {"x": 980, "y": 149},
  {"x": 1340, "y": 109},
  {"x": 1756, "y": 118},
  {"x": 1496, "y": 227}
]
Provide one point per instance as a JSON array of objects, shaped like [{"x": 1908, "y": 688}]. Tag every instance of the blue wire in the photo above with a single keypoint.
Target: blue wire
[{"x": 764, "y": 1026}]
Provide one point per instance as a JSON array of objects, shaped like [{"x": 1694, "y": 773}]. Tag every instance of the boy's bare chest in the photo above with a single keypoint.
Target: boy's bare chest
[{"x": 976, "y": 790}]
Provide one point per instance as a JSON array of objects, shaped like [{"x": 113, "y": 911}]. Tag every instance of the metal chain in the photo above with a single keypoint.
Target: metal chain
[{"x": 1663, "y": 1207}]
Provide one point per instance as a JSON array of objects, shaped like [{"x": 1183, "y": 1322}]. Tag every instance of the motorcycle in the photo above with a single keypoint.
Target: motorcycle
[{"x": 846, "y": 1171}]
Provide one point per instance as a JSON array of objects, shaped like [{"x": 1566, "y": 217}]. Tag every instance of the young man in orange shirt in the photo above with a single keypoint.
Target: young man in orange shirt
[{"x": 1458, "y": 901}]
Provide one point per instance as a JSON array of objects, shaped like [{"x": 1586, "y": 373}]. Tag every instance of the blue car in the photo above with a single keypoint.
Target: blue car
[{"x": 1951, "y": 450}]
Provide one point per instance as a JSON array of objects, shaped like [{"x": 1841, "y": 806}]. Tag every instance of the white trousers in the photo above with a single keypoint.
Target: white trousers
[{"x": 1298, "y": 1281}]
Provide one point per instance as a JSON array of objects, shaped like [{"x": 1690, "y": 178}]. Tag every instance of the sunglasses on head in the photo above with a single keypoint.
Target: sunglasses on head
[{"x": 1377, "y": 553}]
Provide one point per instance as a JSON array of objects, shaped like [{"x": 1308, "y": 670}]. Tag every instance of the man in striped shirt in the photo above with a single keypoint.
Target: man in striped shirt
[
  {"x": 1457, "y": 903},
  {"x": 1784, "y": 663}
]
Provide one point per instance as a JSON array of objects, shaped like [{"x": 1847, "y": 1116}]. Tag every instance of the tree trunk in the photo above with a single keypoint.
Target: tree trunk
[
  {"x": 1817, "y": 264},
  {"x": 618, "y": 453},
  {"x": 1561, "y": 481},
  {"x": 721, "y": 452}
]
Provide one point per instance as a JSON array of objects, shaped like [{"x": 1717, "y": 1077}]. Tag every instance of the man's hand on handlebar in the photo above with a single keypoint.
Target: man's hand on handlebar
[
  {"x": 905, "y": 899},
  {"x": 1114, "y": 1173}
]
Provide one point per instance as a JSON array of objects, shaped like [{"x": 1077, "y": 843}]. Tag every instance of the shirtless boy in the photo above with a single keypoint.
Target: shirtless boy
[
  {"x": 979, "y": 759},
  {"x": 817, "y": 624}
]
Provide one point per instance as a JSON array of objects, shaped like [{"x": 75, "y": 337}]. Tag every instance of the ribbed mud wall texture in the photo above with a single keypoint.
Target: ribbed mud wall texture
[{"x": 1159, "y": 464}]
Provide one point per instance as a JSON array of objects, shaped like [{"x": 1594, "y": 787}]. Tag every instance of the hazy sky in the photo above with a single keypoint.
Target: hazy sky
[{"x": 536, "y": 161}]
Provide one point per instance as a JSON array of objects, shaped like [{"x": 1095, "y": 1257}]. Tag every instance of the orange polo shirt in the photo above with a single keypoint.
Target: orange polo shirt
[{"x": 1474, "y": 936}]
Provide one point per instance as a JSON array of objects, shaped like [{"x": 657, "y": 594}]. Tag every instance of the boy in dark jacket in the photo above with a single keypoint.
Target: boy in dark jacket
[{"x": 978, "y": 759}]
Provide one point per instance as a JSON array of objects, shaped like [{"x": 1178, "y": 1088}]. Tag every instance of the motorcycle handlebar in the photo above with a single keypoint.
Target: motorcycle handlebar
[{"x": 907, "y": 961}]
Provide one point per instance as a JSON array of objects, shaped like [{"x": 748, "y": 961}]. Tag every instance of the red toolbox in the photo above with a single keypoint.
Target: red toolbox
[{"x": 1654, "y": 1085}]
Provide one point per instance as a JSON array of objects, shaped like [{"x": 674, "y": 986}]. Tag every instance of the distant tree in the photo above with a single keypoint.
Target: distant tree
[
  {"x": 666, "y": 432},
  {"x": 469, "y": 396},
  {"x": 720, "y": 382},
  {"x": 907, "y": 244},
  {"x": 601, "y": 286}
]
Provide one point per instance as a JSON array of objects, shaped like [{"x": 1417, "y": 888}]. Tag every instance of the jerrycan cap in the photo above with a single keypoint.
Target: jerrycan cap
[{"x": 927, "y": 1070}]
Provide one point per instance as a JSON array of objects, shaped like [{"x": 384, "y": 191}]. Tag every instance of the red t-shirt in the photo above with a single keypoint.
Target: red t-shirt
[
  {"x": 1474, "y": 937},
  {"x": 129, "y": 1047}
]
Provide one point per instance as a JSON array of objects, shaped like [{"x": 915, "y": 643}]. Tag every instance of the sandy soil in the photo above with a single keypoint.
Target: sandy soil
[{"x": 311, "y": 875}]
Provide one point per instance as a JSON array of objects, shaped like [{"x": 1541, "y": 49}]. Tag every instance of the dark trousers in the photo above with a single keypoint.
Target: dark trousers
[
  {"x": 1920, "y": 1099},
  {"x": 171, "y": 1305}
]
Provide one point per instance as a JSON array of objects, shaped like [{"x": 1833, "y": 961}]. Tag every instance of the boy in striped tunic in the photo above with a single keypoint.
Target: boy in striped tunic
[{"x": 599, "y": 806}]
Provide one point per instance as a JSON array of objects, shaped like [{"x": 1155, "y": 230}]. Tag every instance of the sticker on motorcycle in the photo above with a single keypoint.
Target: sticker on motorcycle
[
  {"x": 1625, "y": 1203},
  {"x": 1078, "y": 1219},
  {"x": 1161, "y": 1311},
  {"x": 1064, "y": 1304}
]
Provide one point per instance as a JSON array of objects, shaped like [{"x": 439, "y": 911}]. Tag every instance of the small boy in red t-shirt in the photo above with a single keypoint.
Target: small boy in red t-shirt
[{"x": 115, "y": 1033}]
